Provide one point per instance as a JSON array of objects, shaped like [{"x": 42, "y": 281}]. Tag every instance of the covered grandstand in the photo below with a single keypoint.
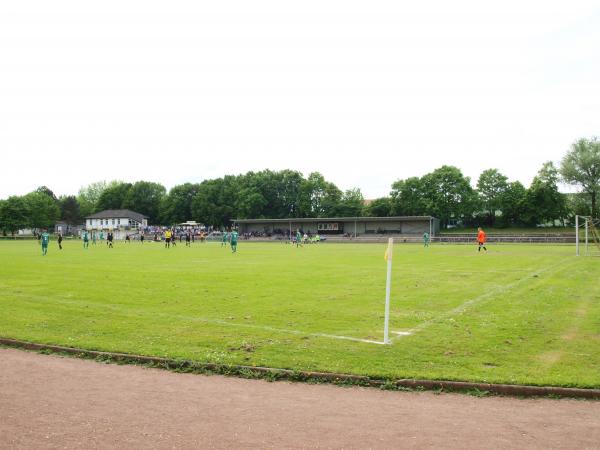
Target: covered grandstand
[{"x": 342, "y": 226}]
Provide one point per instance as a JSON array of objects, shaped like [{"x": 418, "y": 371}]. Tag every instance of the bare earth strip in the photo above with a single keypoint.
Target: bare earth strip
[{"x": 56, "y": 402}]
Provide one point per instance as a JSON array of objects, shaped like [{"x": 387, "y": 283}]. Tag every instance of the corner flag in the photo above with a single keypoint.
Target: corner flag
[
  {"x": 388, "y": 257},
  {"x": 389, "y": 250}
]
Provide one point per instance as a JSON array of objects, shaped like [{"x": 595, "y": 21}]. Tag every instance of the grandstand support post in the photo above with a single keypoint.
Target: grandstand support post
[
  {"x": 388, "y": 285},
  {"x": 354, "y": 228},
  {"x": 576, "y": 235}
]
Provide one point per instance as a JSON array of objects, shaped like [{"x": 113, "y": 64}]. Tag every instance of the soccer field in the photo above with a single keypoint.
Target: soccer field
[{"x": 525, "y": 314}]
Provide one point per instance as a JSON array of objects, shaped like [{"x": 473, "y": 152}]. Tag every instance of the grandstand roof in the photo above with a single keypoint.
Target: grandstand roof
[
  {"x": 337, "y": 219},
  {"x": 118, "y": 213}
]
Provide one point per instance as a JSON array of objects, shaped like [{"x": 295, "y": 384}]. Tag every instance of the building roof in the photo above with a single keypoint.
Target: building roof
[
  {"x": 337, "y": 219},
  {"x": 118, "y": 214}
]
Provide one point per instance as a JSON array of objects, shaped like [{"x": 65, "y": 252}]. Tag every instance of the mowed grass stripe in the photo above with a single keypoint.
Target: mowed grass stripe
[{"x": 265, "y": 305}]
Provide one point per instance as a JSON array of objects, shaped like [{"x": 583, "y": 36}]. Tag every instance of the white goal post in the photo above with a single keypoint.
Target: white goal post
[{"x": 591, "y": 235}]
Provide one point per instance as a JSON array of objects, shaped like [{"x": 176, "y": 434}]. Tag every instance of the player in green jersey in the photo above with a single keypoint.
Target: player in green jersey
[
  {"x": 233, "y": 241},
  {"x": 93, "y": 238},
  {"x": 45, "y": 238},
  {"x": 298, "y": 238},
  {"x": 224, "y": 239},
  {"x": 86, "y": 239},
  {"x": 426, "y": 239}
]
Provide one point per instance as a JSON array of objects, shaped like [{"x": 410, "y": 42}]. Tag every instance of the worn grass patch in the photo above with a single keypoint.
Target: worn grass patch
[{"x": 499, "y": 317}]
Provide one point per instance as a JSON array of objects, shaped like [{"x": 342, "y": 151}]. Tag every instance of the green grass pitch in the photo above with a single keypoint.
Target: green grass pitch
[{"x": 518, "y": 314}]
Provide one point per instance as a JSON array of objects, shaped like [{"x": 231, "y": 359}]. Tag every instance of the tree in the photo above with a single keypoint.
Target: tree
[
  {"x": 145, "y": 197},
  {"x": 88, "y": 197},
  {"x": 43, "y": 210},
  {"x": 113, "y": 196},
  {"x": 45, "y": 190},
  {"x": 544, "y": 202},
  {"x": 69, "y": 210},
  {"x": 318, "y": 196},
  {"x": 289, "y": 191},
  {"x": 176, "y": 207},
  {"x": 380, "y": 207},
  {"x": 14, "y": 214},
  {"x": 513, "y": 204},
  {"x": 255, "y": 195},
  {"x": 581, "y": 167},
  {"x": 407, "y": 197},
  {"x": 491, "y": 186},
  {"x": 351, "y": 204},
  {"x": 578, "y": 204},
  {"x": 448, "y": 194},
  {"x": 213, "y": 203}
]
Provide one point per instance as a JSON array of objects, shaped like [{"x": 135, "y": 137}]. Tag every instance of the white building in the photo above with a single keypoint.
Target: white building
[{"x": 120, "y": 221}]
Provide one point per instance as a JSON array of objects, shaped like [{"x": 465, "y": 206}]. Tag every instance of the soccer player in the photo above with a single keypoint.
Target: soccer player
[
  {"x": 109, "y": 239},
  {"x": 481, "y": 238},
  {"x": 167, "y": 238},
  {"x": 188, "y": 239},
  {"x": 86, "y": 239},
  {"x": 173, "y": 238},
  {"x": 234, "y": 238},
  {"x": 224, "y": 239},
  {"x": 127, "y": 239},
  {"x": 298, "y": 238},
  {"x": 44, "y": 239},
  {"x": 93, "y": 238},
  {"x": 142, "y": 238},
  {"x": 60, "y": 241},
  {"x": 426, "y": 239}
]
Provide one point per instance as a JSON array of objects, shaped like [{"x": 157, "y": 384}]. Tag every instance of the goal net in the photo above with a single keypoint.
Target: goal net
[{"x": 587, "y": 236}]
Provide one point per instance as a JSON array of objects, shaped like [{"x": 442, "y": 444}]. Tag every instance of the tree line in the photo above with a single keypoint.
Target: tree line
[{"x": 444, "y": 193}]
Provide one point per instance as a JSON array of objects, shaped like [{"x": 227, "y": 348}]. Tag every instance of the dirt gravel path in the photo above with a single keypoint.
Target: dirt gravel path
[{"x": 57, "y": 402}]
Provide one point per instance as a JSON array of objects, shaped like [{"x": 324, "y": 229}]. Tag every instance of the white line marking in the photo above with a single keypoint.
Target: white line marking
[
  {"x": 499, "y": 290},
  {"x": 136, "y": 313},
  {"x": 268, "y": 328},
  {"x": 398, "y": 334}
]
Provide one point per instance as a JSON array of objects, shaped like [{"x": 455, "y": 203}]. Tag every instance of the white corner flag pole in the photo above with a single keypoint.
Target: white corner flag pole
[{"x": 388, "y": 285}]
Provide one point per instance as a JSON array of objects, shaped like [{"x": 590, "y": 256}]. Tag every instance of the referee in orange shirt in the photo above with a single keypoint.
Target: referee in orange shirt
[{"x": 481, "y": 238}]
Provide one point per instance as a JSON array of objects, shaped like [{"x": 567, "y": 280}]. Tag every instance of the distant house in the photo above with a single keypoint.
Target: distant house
[
  {"x": 66, "y": 229},
  {"x": 119, "y": 221}
]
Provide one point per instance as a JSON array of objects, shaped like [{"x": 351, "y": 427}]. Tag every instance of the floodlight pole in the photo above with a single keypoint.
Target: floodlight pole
[
  {"x": 388, "y": 285},
  {"x": 576, "y": 235}
]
